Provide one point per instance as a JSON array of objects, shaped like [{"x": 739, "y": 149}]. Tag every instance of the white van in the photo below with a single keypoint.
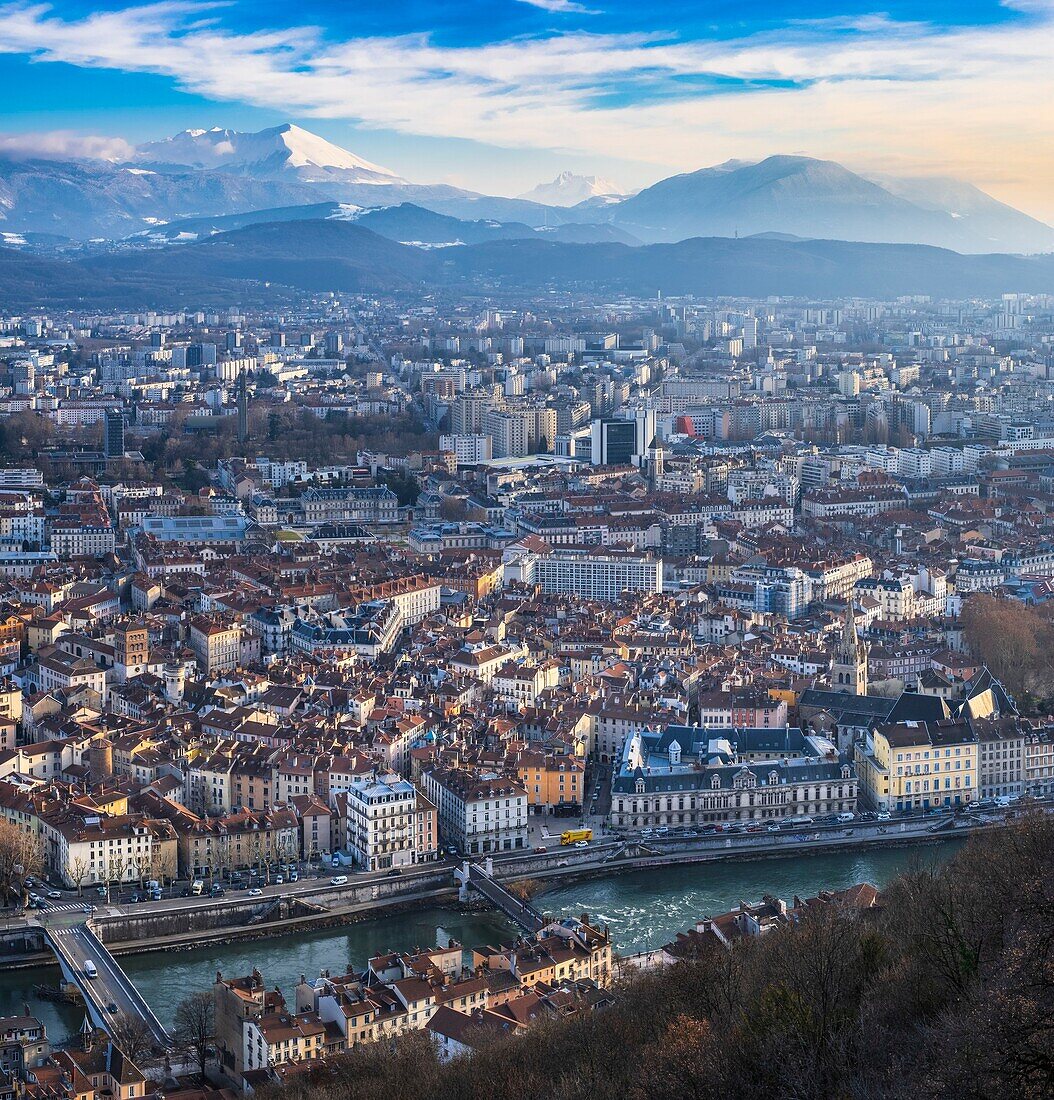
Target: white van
[
  {"x": 90, "y": 969},
  {"x": 845, "y": 816},
  {"x": 339, "y": 880},
  {"x": 196, "y": 887}
]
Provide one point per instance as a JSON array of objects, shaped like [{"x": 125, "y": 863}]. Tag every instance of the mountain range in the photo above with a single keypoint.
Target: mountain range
[
  {"x": 205, "y": 176},
  {"x": 271, "y": 262},
  {"x": 406, "y": 223}
]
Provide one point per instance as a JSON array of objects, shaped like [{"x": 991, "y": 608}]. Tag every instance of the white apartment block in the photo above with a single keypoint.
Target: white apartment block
[
  {"x": 468, "y": 450},
  {"x": 87, "y": 541},
  {"x": 388, "y": 823},
  {"x": 586, "y": 574},
  {"x": 479, "y": 813}
]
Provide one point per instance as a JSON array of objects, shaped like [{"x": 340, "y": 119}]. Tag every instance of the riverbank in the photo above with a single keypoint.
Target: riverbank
[
  {"x": 641, "y": 908},
  {"x": 317, "y": 907}
]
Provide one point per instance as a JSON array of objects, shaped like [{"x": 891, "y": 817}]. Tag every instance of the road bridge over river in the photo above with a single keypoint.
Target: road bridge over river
[{"x": 74, "y": 945}]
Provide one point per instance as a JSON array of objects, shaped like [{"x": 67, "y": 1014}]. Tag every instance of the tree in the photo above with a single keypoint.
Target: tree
[
  {"x": 195, "y": 1026},
  {"x": 116, "y": 868},
  {"x": 132, "y": 1036},
  {"x": 1013, "y": 640},
  {"x": 21, "y": 856},
  {"x": 78, "y": 872},
  {"x": 143, "y": 862},
  {"x": 162, "y": 862}
]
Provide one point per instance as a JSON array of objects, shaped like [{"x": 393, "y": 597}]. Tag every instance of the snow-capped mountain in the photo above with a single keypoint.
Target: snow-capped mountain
[
  {"x": 569, "y": 189},
  {"x": 219, "y": 173},
  {"x": 287, "y": 150}
]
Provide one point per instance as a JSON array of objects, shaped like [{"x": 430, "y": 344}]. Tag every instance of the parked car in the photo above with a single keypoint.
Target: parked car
[
  {"x": 279, "y": 880},
  {"x": 294, "y": 876}
]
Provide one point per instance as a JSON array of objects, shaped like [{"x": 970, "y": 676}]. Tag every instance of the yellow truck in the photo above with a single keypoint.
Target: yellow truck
[{"x": 574, "y": 836}]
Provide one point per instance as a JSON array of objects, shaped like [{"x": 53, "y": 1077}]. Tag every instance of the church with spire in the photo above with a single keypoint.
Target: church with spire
[{"x": 849, "y": 668}]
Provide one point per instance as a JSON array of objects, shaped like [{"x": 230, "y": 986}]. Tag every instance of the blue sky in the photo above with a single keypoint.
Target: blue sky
[{"x": 500, "y": 94}]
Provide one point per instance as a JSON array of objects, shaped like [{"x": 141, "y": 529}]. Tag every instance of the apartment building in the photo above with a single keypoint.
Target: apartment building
[
  {"x": 478, "y": 814},
  {"x": 552, "y": 782},
  {"x": 388, "y": 823},
  {"x": 584, "y": 573},
  {"x": 919, "y": 765},
  {"x": 216, "y": 644}
]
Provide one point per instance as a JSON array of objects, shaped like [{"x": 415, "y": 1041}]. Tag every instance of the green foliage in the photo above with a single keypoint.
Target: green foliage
[{"x": 404, "y": 486}]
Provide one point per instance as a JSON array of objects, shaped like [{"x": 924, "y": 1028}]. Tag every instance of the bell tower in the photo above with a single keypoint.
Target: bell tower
[{"x": 849, "y": 670}]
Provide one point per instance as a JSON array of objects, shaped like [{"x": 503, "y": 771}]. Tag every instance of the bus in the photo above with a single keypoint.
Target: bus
[{"x": 573, "y": 836}]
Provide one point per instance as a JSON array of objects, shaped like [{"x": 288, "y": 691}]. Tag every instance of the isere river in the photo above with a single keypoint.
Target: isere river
[{"x": 643, "y": 909}]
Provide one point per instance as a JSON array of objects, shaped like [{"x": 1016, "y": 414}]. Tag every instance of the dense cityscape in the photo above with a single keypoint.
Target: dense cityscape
[
  {"x": 526, "y": 550},
  {"x": 297, "y": 605}
]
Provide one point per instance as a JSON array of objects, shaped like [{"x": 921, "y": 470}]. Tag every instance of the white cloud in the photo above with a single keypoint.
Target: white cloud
[
  {"x": 64, "y": 145},
  {"x": 561, "y": 7},
  {"x": 879, "y": 94}
]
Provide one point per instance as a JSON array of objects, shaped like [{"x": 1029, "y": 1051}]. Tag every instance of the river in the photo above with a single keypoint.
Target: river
[{"x": 643, "y": 909}]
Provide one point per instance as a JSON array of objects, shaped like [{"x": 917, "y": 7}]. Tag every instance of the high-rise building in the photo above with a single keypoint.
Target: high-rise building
[
  {"x": 243, "y": 408},
  {"x": 334, "y": 345},
  {"x": 614, "y": 442},
  {"x": 113, "y": 434}
]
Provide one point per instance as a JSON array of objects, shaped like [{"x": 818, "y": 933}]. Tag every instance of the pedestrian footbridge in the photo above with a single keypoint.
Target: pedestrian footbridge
[{"x": 472, "y": 876}]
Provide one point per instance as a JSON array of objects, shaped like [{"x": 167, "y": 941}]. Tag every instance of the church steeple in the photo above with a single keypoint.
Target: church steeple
[{"x": 849, "y": 669}]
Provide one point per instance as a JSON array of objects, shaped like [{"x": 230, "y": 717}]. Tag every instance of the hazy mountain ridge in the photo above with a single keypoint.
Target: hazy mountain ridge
[
  {"x": 264, "y": 261},
  {"x": 819, "y": 199},
  {"x": 405, "y": 222},
  {"x": 94, "y": 199}
]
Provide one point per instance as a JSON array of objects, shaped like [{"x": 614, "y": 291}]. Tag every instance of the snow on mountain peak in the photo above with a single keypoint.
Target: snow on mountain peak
[
  {"x": 285, "y": 148},
  {"x": 569, "y": 189}
]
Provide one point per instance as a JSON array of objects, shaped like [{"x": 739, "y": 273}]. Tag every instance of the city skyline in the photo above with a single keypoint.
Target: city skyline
[{"x": 498, "y": 97}]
